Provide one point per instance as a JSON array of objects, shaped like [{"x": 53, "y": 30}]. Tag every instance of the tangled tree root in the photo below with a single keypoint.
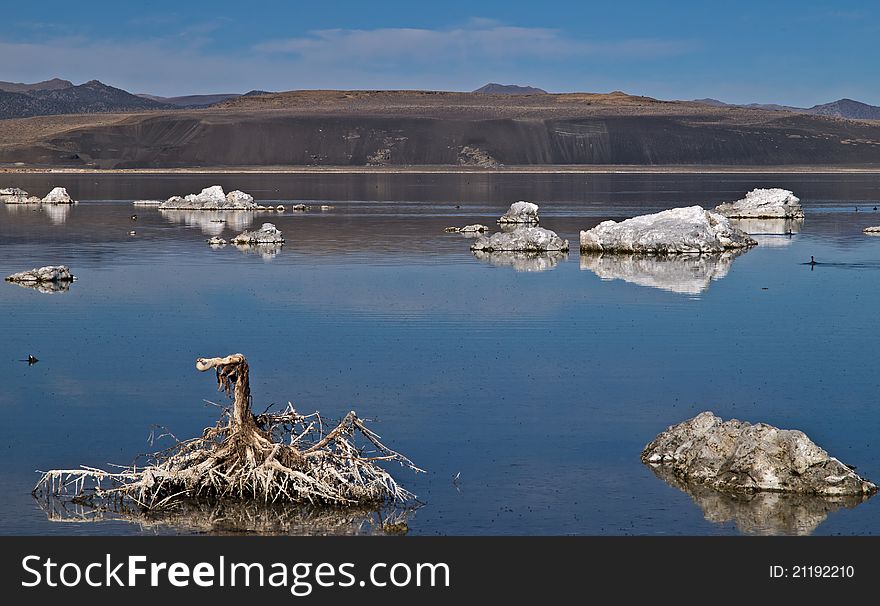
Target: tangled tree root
[{"x": 274, "y": 458}]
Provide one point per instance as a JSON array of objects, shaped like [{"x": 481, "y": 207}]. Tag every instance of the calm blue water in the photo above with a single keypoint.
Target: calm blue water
[{"x": 539, "y": 387}]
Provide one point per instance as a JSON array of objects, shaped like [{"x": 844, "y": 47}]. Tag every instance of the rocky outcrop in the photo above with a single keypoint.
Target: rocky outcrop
[
  {"x": 14, "y": 195},
  {"x": 267, "y": 234},
  {"x": 687, "y": 274},
  {"x": 58, "y": 195},
  {"x": 738, "y": 457},
  {"x": 474, "y": 156},
  {"x": 522, "y": 261},
  {"x": 523, "y": 239},
  {"x": 211, "y": 198},
  {"x": 678, "y": 230},
  {"x": 521, "y": 212},
  {"x": 874, "y": 229},
  {"x": 49, "y": 273},
  {"x": 216, "y": 241},
  {"x": 774, "y": 203}
]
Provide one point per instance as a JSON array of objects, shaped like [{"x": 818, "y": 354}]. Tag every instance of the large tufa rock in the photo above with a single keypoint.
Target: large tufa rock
[
  {"x": 211, "y": 198},
  {"x": 874, "y": 229},
  {"x": 58, "y": 195},
  {"x": 678, "y": 230},
  {"x": 14, "y": 195},
  {"x": 774, "y": 203},
  {"x": 521, "y": 212},
  {"x": 522, "y": 239},
  {"x": 267, "y": 234},
  {"x": 49, "y": 273},
  {"x": 735, "y": 456}
]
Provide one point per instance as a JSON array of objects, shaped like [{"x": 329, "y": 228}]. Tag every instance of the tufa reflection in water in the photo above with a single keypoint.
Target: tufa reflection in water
[
  {"x": 266, "y": 251},
  {"x": 761, "y": 513},
  {"x": 48, "y": 288},
  {"x": 233, "y": 516},
  {"x": 211, "y": 222},
  {"x": 522, "y": 261},
  {"x": 688, "y": 274},
  {"x": 57, "y": 213},
  {"x": 770, "y": 232}
]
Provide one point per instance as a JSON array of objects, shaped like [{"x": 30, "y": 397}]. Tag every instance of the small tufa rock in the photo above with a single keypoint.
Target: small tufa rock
[
  {"x": 522, "y": 239},
  {"x": 521, "y": 212},
  {"x": 216, "y": 241},
  {"x": 300, "y": 207},
  {"x": 735, "y": 456},
  {"x": 677, "y": 230},
  {"x": 14, "y": 195},
  {"x": 773, "y": 203},
  {"x": 267, "y": 234},
  {"x": 58, "y": 195},
  {"x": 49, "y": 273},
  {"x": 467, "y": 229},
  {"x": 874, "y": 229}
]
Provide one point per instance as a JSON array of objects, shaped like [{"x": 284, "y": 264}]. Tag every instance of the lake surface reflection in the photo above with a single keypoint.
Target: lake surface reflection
[{"x": 538, "y": 380}]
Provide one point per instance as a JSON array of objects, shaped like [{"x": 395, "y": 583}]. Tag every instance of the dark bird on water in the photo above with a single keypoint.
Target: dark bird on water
[
  {"x": 31, "y": 360},
  {"x": 134, "y": 217},
  {"x": 812, "y": 260}
]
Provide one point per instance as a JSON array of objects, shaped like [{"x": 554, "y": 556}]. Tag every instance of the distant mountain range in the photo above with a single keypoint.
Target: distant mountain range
[
  {"x": 190, "y": 101},
  {"x": 842, "y": 108},
  {"x": 62, "y": 97},
  {"x": 57, "y": 96},
  {"x": 509, "y": 89}
]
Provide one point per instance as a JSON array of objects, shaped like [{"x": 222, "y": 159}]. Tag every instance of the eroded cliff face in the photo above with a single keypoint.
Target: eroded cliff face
[{"x": 285, "y": 137}]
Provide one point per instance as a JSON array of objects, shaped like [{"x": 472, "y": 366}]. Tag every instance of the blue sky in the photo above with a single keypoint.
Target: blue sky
[{"x": 798, "y": 53}]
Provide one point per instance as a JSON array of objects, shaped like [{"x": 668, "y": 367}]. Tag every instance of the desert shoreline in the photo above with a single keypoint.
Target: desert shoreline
[{"x": 463, "y": 170}]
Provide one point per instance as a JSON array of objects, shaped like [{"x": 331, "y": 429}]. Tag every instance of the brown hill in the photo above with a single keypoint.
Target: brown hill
[{"x": 356, "y": 128}]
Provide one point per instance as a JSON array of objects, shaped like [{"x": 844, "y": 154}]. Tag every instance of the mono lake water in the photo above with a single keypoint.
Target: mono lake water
[{"x": 540, "y": 387}]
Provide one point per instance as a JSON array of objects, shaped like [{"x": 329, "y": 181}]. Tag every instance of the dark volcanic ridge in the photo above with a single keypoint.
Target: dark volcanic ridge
[
  {"x": 509, "y": 89},
  {"x": 421, "y": 128}
]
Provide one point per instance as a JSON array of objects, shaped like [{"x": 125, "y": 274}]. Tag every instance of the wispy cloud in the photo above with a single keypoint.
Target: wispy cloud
[{"x": 478, "y": 40}]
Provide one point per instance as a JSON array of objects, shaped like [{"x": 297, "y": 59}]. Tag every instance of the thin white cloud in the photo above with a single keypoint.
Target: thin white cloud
[{"x": 479, "y": 40}]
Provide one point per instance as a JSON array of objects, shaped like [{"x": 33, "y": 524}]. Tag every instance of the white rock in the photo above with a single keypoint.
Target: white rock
[
  {"x": 49, "y": 273},
  {"x": 468, "y": 229},
  {"x": 300, "y": 207},
  {"x": 687, "y": 274},
  {"x": 58, "y": 195},
  {"x": 678, "y": 230},
  {"x": 211, "y": 198},
  {"x": 14, "y": 195},
  {"x": 874, "y": 229},
  {"x": 522, "y": 239},
  {"x": 735, "y": 456},
  {"x": 771, "y": 203},
  {"x": 521, "y": 212},
  {"x": 148, "y": 202},
  {"x": 238, "y": 198},
  {"x": 216, "y": 241},
  {"x": 267, "y": 234}
]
